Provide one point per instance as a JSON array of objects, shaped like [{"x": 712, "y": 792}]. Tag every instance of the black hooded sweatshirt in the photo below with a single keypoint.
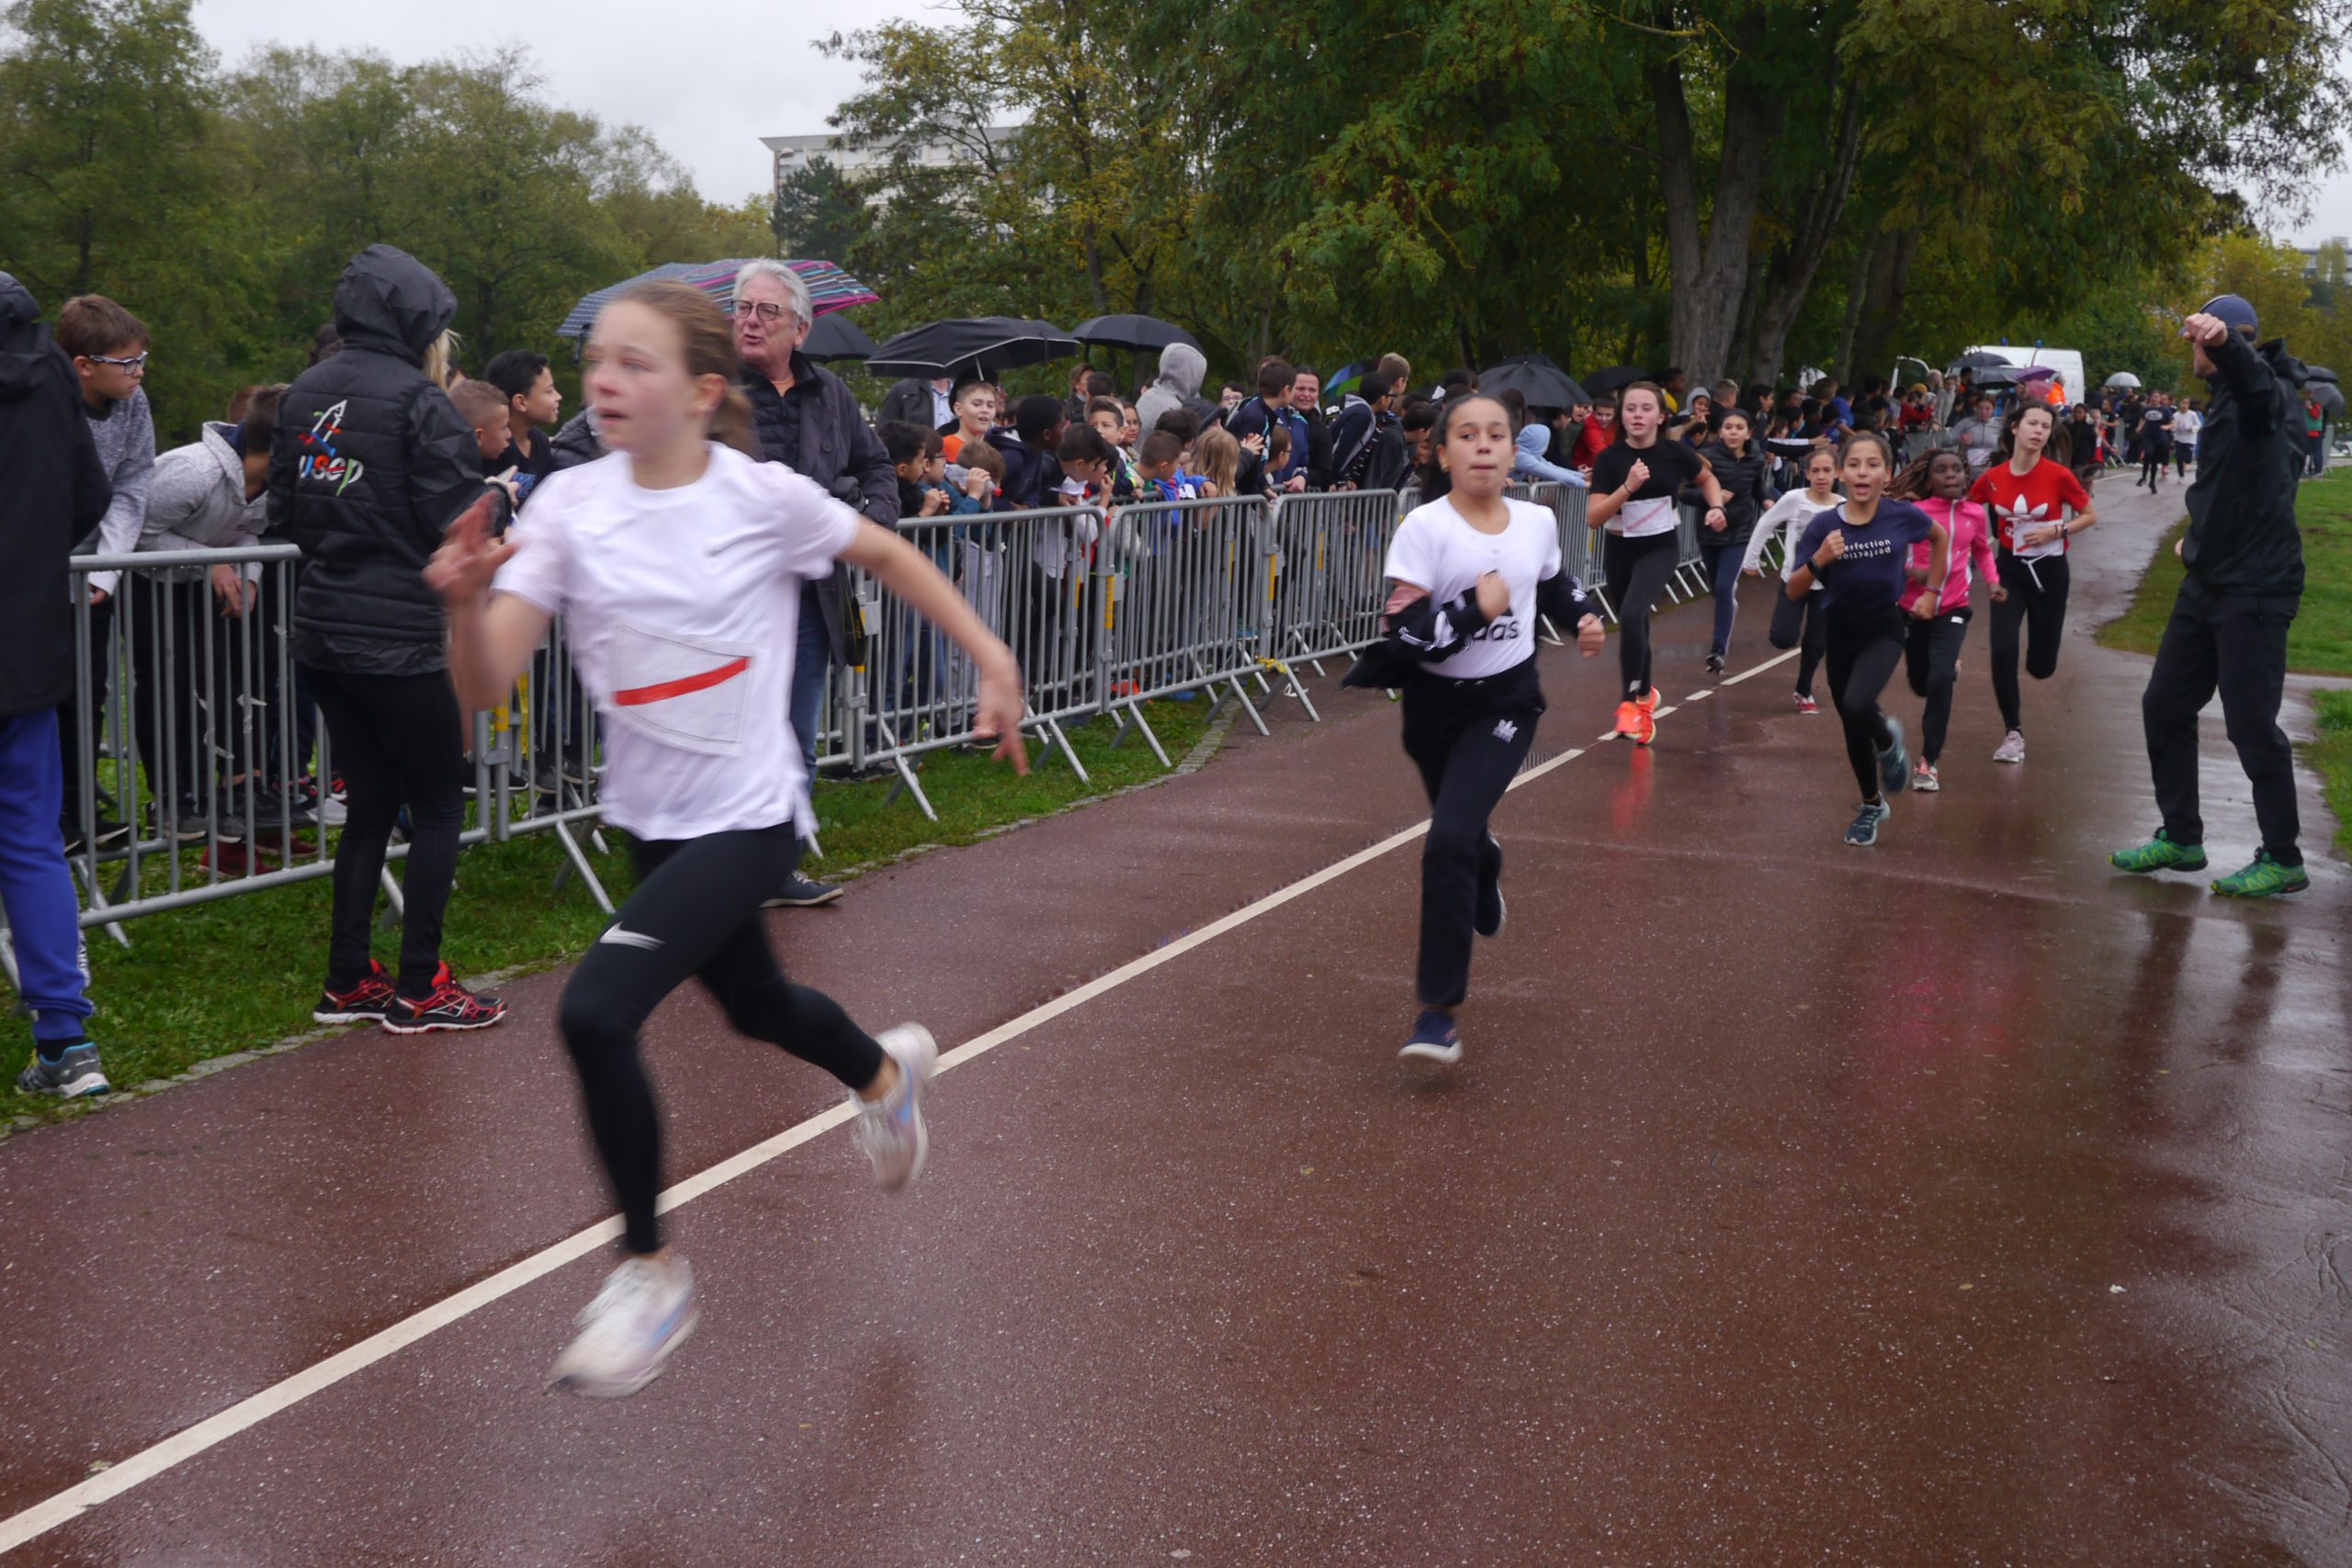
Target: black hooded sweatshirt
[
  {"x": 55, "y": 491},
  {"x": 2242, "y": 536},
  {"x": 369, "y": 466}
]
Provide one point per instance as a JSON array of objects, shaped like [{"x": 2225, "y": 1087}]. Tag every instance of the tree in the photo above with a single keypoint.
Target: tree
[
  {"x": 113, "y": 179},
  {"x": 817, "y": 214}
]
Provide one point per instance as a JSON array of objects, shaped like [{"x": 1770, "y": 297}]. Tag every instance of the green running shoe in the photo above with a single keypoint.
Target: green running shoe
[
  {"x": 2265, "y": 878},
  {"x": 2159, "y": 854}
]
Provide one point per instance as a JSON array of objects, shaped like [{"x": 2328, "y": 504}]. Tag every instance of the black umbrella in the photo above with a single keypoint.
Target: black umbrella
[
  {"x": 837, "y": 337},
  {"x": 1616, "y": 378},
  {"x": 1980, "y": 360},
  {"x": 2319, "y": 372},
  {"x": 2000, "y": 375},
  {"x": 1139, "y": 334},
  {"x": 1543, "y": 384},
  {"x": 2329, "y": 397},
  {"x": 972, "y": 345}
]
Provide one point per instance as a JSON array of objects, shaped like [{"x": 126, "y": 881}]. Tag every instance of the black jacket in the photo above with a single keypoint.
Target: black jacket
[
  {"x": 369, "y": 466},
  {"x": 908, "y": 400},
  {"x": 54, "y": 493},
  {"x": 2242, "y": 536},
  {"x": 837, "y": 448},
  {"x": 575, "y": 442},
  {"x": 1748, "y": 491}
]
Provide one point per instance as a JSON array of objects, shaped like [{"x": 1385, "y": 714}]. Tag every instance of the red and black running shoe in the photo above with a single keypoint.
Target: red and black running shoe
[
  {"x": 448, "y": 1007},
  {"x": 366, "y": 1002}
]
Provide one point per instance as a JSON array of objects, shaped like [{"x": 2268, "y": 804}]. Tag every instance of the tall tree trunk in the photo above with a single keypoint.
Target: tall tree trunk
[
  {"x": 1710, "y": 268},
  {"x": 1793, "y": 263},
  {"x": 1842, "y": 362},
  {"x": 1743, "y": 333},
  {"x": 1876, "y": 339}
]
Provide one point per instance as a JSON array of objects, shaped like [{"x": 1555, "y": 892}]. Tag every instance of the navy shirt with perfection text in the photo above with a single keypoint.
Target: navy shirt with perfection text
[{"x": 1869, "y": 575}]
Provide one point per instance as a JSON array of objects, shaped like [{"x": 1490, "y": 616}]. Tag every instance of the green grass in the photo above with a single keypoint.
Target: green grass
[
  {"x": 241, "y": 973},
  {"x": 2331, "y": 754},
  {"x": 2321, "y": 642}
]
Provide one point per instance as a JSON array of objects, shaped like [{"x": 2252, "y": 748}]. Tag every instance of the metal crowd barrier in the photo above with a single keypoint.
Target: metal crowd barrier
[
  {"x": 202, "y": 771},
  {"x": 188, "y": 749}
]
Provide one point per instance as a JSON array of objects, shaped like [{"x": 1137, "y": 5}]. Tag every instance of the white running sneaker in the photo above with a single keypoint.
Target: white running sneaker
[
  {"x": 891, "y": 1129},
  {"x": 2012, "y": 749},
  {"x": 645, "y": 1312},
  {"x": 1924, "y": 780}
]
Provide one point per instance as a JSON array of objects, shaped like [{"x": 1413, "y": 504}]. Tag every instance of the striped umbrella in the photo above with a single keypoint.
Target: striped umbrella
[{"x": 830, "y": 289}]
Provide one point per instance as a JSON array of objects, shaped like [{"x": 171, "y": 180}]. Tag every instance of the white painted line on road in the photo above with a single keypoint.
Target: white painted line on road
[{"x": 251, "y": 1411}]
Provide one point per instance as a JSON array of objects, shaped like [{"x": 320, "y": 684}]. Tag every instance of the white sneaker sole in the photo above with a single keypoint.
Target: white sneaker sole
[
  {"x": 589, "y": 1387},
  {"x": 917, "y": 1053},
  {"x": 1422, "y": 1050}
]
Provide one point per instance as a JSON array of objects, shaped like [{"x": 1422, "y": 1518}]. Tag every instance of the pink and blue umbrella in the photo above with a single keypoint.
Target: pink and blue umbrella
[{"x": 830, "y": 289}]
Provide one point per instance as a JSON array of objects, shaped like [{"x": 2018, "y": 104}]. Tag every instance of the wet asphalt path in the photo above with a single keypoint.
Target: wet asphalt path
[{"x": 1956, "y": 1200}]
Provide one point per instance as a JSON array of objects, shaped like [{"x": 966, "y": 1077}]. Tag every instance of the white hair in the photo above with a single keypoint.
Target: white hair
[{"x": 796, "y": 290}]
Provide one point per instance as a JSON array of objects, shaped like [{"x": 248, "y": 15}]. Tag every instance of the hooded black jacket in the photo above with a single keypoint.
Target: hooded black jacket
[
  {"x": 369, "y": 465},
  {"x": 2242, "y": 536},
  {"x": 55, "y": 491}
]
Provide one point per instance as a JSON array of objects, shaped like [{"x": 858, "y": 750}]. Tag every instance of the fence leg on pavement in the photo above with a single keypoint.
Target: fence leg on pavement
[
  {"x": 1290, "y": 677},
  {"x": 1131, "y": 718},
  {"x": 1243, "y": 691},
  {"x": 579, "y": 863}
]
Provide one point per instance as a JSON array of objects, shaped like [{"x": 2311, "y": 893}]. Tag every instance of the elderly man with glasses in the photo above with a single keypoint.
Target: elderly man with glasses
[{"x": 807, "y": 419}]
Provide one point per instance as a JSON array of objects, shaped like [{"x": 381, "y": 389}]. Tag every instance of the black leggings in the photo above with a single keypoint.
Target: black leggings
[
  {"x": 1636, "y": 571},
  {"x": 1468, "y": 738},
  {"x": 397, "y": 741},
  {"x": 1931, "y": 659},
  {"x": 1864, "y": 648},
  {"x": 2037, "y": 600},
  {"x": 696, "y": 912},
  {"x": 1799, "y": 622}
]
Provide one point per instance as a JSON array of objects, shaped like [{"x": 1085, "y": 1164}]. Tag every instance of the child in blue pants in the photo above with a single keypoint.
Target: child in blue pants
[{"x": 43, "y": 915}]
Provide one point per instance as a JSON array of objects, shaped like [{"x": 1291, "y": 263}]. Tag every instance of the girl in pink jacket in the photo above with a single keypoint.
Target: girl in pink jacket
[{"x": 1938, "y": 482}]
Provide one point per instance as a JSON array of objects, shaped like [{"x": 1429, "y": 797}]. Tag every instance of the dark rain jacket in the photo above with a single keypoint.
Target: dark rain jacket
[
  {"x": 1747, "y": 488},
  {"x": 55, "y": 491},
  {"x": 2242, "y": 536},
  {"x": 837, "y": 448},
  {"x": 369, "y": 466}
]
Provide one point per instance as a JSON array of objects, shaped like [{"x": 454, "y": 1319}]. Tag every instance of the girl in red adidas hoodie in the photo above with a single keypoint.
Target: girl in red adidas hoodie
[{"x": 1939, "y": 483}]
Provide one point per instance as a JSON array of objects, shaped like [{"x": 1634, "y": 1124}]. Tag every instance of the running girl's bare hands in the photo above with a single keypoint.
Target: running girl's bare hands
[
  {"x": 2177, "y": 545},
  {"x": 2034, "y": 538},
  {"x": 2000, "y": 595},
  {"x": 1494, "y": 596},
  {"x": 1751, "y": 572},
  {"x": 1717, "y": 520},
  {"x": 1923, "y": 607},
  {"x": 1638, "y": 476},
  {"x": 1001, "y": 713},
  {"x": 461, "y": 570},
  {"x": 1591, "y": 637},
  {"x": 1915, "y": 574},
  {"x": 1833, "y": 547}
]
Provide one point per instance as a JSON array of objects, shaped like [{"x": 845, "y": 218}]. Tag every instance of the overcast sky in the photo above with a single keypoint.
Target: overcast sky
[{"x": 708, "y": 80}]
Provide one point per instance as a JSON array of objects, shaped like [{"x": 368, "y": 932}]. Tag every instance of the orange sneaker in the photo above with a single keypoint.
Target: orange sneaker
[
  {"x": 1649, "y": 700},
  {"x": 1629, "y": 717},
  {"x": 1645, "y": 728}
]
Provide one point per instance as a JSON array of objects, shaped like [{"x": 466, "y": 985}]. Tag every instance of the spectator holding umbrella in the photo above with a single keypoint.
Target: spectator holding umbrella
[{"x": 807, "y": 419}]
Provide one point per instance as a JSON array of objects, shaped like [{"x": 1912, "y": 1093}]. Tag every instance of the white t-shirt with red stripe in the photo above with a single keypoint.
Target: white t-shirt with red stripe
[{"x": 682, "y": 607}]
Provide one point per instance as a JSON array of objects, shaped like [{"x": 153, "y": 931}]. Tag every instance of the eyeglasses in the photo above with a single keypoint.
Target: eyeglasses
[
  {"x": 766, "y": 310},
  {"x": 136, "y": 364}
]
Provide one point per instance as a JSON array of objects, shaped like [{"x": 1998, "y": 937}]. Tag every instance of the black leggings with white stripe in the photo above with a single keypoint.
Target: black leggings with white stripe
[
  {"x": 1468, "y": 739},
  {"x": 696, "y": 914}
]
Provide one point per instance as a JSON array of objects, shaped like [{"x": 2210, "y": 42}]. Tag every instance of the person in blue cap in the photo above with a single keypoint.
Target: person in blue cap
[{"x": 2228, "y": 631}]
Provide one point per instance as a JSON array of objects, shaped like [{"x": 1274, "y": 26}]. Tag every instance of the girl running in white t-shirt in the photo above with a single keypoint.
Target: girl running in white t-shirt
[
  {"x": 1471, "y": 570},
  {"x": 677, "y": 562},
  {"x": 1798, "y": 622}
]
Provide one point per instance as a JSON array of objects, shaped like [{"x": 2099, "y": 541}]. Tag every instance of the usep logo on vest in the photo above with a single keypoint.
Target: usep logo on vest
[{"x": 323, "y": 464}]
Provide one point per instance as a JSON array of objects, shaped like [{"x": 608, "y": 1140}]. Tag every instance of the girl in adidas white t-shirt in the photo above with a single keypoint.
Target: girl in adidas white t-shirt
[
  {"x": 1471, "y": 569},
  {"x": 677, "y": 563}
]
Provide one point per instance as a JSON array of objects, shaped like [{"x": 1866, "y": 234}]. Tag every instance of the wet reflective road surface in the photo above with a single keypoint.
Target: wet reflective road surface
[{"x": 1957, "y": 1200}]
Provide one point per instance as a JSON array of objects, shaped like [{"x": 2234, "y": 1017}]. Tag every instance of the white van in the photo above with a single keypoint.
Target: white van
[{"x": 2067, "y": 362}]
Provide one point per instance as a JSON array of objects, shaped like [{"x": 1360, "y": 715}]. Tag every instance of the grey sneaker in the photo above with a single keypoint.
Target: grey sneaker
[
  {"x": 1863, "y": 833},
  {"x": 891, "y": 1130},
  {"x": 803, "y": 893},
  {"x": 73, "y": 1074},
  {"x": 643, "y": 1314},
  {"x": 2012, "y": 749}
]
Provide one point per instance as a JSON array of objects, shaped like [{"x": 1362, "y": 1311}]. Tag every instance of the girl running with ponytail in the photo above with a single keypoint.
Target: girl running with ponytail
[
  {"x": 1798, "y": 622},
  {"x": 1634, "y": 483},
  {"x": 677, "y": 562},
  {"x": 1741, "y": 468},
  {"x": 2028, "y": 496},
  {"x": 1857, "y": 553},
  {"x": 1471, "y": 570},
  {"x": 1931, "y": 656}
]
